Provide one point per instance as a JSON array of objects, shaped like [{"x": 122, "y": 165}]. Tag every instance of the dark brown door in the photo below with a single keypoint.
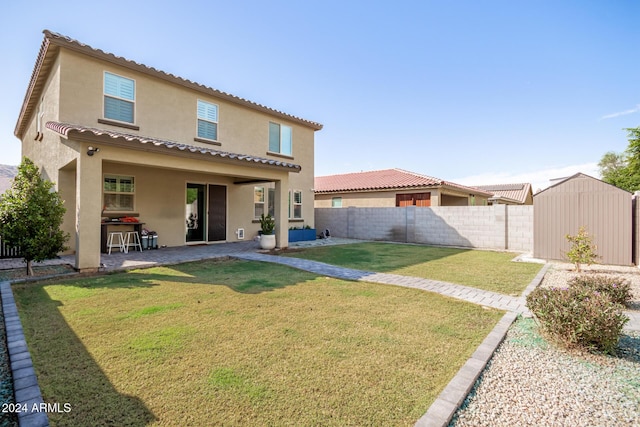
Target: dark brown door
[{"x": 217, "y": 213}]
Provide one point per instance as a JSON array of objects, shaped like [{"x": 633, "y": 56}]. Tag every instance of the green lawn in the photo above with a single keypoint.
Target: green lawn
[
  {"x": 243, "y": 343},
  {"x": 492, "y": 271}
]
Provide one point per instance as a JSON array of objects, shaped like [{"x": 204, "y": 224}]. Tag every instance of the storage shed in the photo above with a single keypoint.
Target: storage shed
[{"x": 581, "y": 200}]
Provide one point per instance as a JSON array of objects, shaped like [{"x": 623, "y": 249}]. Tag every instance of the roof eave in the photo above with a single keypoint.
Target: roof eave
[
  {"x": 27, "y": 103},
  {"x": 123, "y": 140}
]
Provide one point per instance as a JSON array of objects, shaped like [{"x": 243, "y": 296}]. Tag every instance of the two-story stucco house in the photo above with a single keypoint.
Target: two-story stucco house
[{"x": 194, "y": 164}]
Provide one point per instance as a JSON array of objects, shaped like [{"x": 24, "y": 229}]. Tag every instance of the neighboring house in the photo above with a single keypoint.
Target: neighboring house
[
  {"x": 192, "y": 163},
  {"x": 393, "y": 187},
  {"x": 509, "y": 194},
  {"x": 7, "y": 173}
]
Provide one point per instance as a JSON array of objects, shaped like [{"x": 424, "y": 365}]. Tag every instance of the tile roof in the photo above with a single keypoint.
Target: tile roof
[
  {"x": 53, "y": 42},
  {"x": 517, "y": 192},
  {"x": 387, "y": 179},
  {"x": 64, "y": 129}
]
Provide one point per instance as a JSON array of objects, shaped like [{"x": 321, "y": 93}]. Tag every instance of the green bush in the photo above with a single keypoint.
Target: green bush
[
  {"x": 618, "y": 289},
  {"x": 578, "y": 317},
  {"x": 582, "y": 251}
]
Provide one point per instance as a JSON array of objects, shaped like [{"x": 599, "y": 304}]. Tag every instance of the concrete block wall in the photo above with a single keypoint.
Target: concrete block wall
[
  {"x": 488, "y": 227},
  {"x": 520, "y": 228}
]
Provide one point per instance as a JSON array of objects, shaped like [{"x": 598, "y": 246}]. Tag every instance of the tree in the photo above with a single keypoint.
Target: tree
[
  {"x": 623, "y": 169},
  {"x": 633, "y": 151},
  {"x": 31, "y": 213},
  {"x": 611, "y": 164}
]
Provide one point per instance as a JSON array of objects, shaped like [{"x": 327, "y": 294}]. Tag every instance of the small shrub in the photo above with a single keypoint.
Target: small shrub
[
  {"x": 582, "y": 251},
  {"x": 618, "y": 289},
  {"x": 578, "y": 316}
]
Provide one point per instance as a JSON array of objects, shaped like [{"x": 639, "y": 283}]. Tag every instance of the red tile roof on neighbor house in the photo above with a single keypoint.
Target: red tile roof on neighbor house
[
  {"x": 516, "y": 192},
  {"x": 388, "y": 179}
]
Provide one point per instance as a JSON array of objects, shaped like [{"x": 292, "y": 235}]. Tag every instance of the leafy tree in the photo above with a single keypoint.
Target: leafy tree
[
  {"x": 31, "y": 213},
  {"x": 623, "y": 169},
  {"x": 611, "y": 164},
  {"x": 633, "y": 151}
]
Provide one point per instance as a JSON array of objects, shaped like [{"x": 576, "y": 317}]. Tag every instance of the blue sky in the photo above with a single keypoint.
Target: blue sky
[{"x": 471, "y": 92}]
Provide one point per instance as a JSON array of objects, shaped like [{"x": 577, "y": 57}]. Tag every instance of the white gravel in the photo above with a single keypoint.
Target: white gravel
[{"x": 529, "y": 382}]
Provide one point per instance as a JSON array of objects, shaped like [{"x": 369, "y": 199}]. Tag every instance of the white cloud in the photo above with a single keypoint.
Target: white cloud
[
  {"x": 621, "y": 113},
  {"x": 539, "y": 179}
]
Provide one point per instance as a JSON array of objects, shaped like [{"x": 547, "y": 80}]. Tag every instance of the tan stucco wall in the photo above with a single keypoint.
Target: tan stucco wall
[
  {"x": 48, "y": 154},
  {"x": 360, "y": 200},
  {"x": 383, "y": 199},
  {"x": 168, "y": 111},
  {"x": 372, "y": 199}
]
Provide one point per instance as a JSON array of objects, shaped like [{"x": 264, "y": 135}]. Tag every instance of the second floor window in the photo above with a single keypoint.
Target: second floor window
[
  {"x": 119, "y": 98},
  {"x": 207, "y": 120},
  {"x": 280, "y": 140}
]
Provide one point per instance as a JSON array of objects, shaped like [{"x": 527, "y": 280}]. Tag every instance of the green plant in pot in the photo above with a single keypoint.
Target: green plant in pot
[{"x": 268, "y": 238}]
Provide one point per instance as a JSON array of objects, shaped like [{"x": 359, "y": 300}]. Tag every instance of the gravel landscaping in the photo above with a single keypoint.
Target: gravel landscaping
[{"x": 530, "y": 382}]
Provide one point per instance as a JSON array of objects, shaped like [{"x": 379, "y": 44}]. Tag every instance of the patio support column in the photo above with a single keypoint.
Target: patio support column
[
  {"x": 282, "y": 212},
  {"x": 88, "y": 211}
]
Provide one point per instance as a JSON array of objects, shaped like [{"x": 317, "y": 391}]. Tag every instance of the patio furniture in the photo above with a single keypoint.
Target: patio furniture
[
  {"x": 119, "y": 242},
  {"x": 132, "y": 238},
  {"x": 110, "y": 226}
]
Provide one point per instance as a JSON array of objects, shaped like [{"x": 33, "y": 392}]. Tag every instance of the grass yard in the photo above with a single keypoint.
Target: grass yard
[
  {"x": 488, "y": 270},
  {"x": 243, "y": 343}
]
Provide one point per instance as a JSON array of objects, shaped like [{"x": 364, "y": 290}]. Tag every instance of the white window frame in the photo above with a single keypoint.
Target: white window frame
[
  {"x": 204, "y": 119},
  {"x": 280, "y": 141},
  {"x": 267, "y": 200},
  {"x": 131, "y": 101},
  {"x": 336, "y": 202},
  {"x": 293, "y": 203},
  {"x": 117, "y": 192}
]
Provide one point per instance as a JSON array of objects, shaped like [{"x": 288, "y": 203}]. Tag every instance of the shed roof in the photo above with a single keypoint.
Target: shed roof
[
  {"x": 380, "y": 180},
  {"x": 578, "y": 175},
  {"x": 53, "y": 42}
]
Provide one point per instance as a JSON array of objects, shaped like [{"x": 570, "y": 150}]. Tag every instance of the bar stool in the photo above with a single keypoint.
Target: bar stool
[
  {"x": 119, "y": 241},
  {"x": 133, "y": 235}
]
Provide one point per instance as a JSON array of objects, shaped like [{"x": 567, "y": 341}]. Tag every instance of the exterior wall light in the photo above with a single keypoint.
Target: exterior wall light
[{"x": 91, "y": 150}]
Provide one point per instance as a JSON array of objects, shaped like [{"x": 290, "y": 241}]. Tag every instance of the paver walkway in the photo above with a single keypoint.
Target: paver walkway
[{"x": 473, "y": 295}]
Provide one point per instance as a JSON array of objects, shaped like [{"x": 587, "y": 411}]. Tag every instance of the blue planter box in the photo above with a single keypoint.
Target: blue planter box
[{"x": 302, "y": 235}]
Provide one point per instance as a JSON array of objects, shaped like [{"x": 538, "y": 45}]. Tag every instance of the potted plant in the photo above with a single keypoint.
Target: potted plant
[{"x": 267, "y": 226}]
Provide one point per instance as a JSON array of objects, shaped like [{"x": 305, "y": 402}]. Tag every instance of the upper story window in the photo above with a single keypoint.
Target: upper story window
[
  {"x": 119, "y": 98},
  {"x": 280, "y": 140},
  {"x": 336, "y": 202},
  {"x": 207, "y": 120}
]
